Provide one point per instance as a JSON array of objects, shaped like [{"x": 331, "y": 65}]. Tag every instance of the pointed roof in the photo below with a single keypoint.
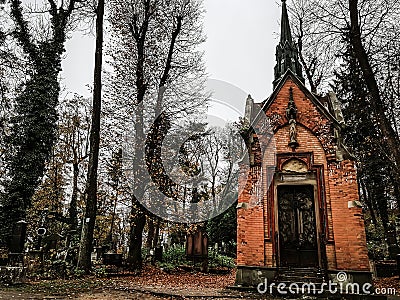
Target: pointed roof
[
  {"x": 286, "y": 52},
  {"x": 289, "y": 74},
  {"x": 286, "y": 34}
]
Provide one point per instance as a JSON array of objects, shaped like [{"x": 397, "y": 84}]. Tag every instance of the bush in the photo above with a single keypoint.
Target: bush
[
  {"x": 176, "y": 255},
  {"x": 54, "y": 269},
  {"x": 217, "y": 260},
  {"x": 377, "y": 246}
]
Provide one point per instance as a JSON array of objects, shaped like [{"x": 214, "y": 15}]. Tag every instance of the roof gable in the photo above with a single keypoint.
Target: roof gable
[{"x": 289, "y": 74}]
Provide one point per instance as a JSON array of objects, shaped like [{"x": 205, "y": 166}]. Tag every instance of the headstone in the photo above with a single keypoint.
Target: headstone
[
  {"x": 112, "y": 259},
  {"x": 197, "y": 245},
  {"x": 17, "y": 240},
  {"x": 158, "y": 253},
  {"x": 392, "y": 243}
]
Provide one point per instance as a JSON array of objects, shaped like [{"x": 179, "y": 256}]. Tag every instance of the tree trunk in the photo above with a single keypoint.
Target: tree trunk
[
  {"x": 72, "y": 212},
  {"x": 85, "y": 249},
  {"x": 109, "y": 238},
  {"x": 34, "y": 126},
  {"x": 138, "y": 220},
  {"x": 156, "y": 233},
  {"x": 307, "y": 68},
  {"x": 390, "y": 140},
  {"x": 138, "y": 217},
  {"x": 150, "y": 234},
  {"x": 368, "y": 202}
]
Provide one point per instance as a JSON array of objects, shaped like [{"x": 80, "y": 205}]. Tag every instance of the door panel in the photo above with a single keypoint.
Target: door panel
[{"x": 297, "y": 229}]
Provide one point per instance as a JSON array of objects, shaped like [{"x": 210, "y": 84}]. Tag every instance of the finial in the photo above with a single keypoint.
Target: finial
[{"x": 248, "y": 110}]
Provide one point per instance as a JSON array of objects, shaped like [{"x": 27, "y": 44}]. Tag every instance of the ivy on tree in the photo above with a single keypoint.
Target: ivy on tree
[{"x": 34, "y": 126}]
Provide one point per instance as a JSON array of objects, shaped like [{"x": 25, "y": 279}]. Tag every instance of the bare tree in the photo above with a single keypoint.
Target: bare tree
[
  {"x": 74, "y": 132},
  {"x": 156, "y": 51}
]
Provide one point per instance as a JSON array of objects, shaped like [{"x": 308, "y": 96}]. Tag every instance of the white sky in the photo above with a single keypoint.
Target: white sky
[{"x": 240, "y": 47}]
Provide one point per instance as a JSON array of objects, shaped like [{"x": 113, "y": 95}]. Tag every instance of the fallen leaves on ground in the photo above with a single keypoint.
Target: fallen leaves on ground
[
  {"x": 152, "y": 276},
  {"x": 151, "y": 279},
  {"x": 389, "y": 282}
]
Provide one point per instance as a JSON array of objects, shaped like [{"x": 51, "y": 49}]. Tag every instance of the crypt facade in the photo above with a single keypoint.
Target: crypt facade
[{"x": 299, "y": 206}]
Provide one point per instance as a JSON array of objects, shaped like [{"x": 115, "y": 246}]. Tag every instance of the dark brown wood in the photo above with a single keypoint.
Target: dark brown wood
[{"x": 137, "y": 223}]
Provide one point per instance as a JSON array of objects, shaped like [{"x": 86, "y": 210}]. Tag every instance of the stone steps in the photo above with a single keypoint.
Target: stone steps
[{"x": 300, "y": 281}]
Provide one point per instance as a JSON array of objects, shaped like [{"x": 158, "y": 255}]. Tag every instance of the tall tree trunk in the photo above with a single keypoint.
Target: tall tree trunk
[
  {"x": 85, "y": 248},
  {"x": 368, "y": 202},
  {"x": 307, "y": 68},
  {"x": 390, "y": 139},
  {"x": 138, "y": 215}
]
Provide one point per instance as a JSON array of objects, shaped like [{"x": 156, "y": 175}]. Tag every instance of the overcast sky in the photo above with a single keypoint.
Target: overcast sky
[{"x": 240, "y": 47}]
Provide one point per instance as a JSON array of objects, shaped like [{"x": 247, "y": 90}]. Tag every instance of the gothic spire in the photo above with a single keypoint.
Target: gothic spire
[
  {"x": 286, "y": 34},
  {"x": 286, "y": 51}
]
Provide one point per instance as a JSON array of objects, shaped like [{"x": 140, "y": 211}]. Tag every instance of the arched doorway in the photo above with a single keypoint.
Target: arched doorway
[{"x": 297, "y": 226}]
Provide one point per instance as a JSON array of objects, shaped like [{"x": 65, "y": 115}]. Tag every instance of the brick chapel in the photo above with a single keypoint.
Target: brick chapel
[{"x": 298, "y": 208}]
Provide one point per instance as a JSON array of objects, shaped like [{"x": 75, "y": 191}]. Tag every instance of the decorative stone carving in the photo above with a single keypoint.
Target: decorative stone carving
[
  {"x": 275, "y": 120},
  {"x": 291, "y": 114},
  {"x": 295, "y": 166}
]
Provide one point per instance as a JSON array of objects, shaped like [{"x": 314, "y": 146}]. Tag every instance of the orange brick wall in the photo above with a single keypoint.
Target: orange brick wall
[
  {"x": 348, "y": 223},
  {"x": 346, "y": 248},
  {"x": 250, "y": 233}
]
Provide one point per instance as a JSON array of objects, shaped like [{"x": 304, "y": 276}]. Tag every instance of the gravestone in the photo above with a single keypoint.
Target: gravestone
[{"x": 18, "y": 236}]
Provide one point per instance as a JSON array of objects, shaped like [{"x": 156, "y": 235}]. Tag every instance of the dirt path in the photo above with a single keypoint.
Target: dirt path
[
  {"x": 151, "y": 284},
  {"x": 116, "y": 295},
  {"x": 109, "y": 295}
]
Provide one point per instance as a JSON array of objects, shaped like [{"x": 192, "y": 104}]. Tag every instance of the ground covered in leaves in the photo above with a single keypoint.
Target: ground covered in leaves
[
  {"x": 151, "y": 283},
  {"x": 390, "y": 282}
]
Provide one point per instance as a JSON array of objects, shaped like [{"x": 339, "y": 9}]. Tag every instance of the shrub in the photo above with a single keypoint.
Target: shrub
[
  {"x": 217, "y": 260},
  {"x": 175, "y": 255}
]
